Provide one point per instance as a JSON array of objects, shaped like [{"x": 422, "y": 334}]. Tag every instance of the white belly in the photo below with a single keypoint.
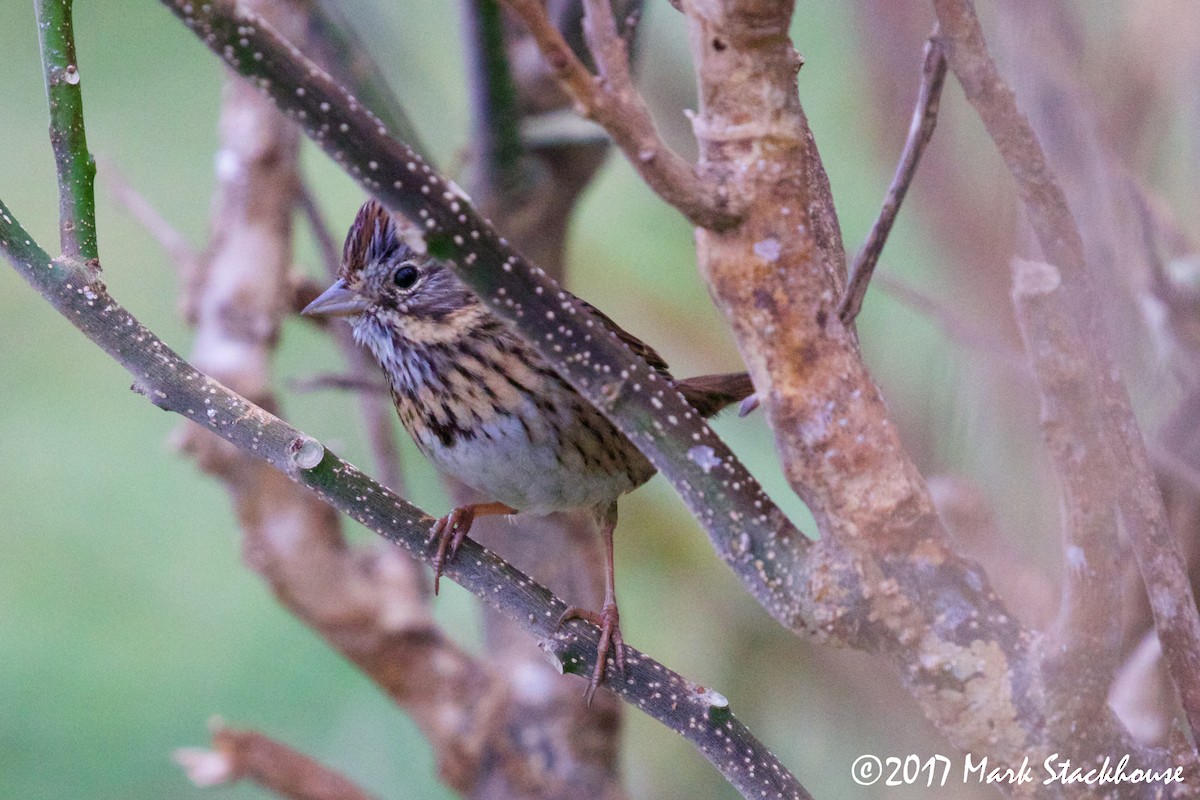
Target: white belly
[{"x": 536, "y": 475}]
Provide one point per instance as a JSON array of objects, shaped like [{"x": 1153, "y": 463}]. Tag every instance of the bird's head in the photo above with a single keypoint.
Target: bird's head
[{"x": 392, "y": 294}]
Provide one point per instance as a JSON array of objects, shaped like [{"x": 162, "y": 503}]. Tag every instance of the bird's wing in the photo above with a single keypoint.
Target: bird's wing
[{"x": 635, "y": 344}]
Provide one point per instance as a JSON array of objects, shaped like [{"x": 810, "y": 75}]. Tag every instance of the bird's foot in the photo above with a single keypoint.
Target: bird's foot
[
  {"x": 452, "y": 529},
  {"x": 449, "y": 531},
  {"x": 608, "y": 621}
]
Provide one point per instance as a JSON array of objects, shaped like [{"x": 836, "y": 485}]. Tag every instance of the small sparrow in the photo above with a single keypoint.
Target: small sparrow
[{"x": 485, "y": 407}]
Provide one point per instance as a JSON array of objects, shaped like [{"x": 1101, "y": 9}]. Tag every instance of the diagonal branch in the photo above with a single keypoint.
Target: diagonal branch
[
  {"x": 933, "y": 76},
  {"x": 171, "y": 383},
  {"x": 614, "y": 102},
  {"x": 1139, "y": 501}
]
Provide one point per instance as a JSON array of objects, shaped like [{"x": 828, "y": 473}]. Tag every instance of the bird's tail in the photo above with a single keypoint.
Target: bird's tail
[{"x": 708, "y": 394}]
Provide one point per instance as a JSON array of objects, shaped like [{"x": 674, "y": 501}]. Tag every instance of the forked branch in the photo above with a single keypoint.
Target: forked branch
[{"x": 614, "y": 102}]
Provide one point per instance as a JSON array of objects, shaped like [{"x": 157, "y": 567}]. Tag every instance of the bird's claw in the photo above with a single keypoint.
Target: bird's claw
[
  {"x": 608, "y": 621},
  {"x": 449, "y": 531}
]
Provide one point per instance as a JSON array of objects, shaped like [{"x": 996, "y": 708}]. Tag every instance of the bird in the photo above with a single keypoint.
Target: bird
[{"x": 486, "y": 408}]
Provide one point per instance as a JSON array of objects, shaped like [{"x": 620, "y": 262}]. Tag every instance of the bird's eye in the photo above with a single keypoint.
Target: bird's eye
[{"x": 405, "y": 276}]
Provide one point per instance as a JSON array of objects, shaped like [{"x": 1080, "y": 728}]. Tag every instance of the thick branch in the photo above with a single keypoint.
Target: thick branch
[
  {"x": 168, "y": 381},
  {"x": 1139, "y": 501},
  {"x": 76, "y": 169},
  {"x": 614, "y": 102}
]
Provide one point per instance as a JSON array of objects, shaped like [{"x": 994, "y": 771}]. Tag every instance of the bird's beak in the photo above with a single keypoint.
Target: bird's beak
[{"x": 338, "y": 300}]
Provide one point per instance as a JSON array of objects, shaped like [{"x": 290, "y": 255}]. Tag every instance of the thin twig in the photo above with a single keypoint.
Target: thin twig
[
  {"x": 189, "y": 264},
  {"x": 920, "y": 131},
  {"x": 351, "y": 383},
  {"x": 76, "y": 170},
  {"x": 331, "y": 254},
  {"x": 174, "y": 244},
  {"x": 1140, "y": 501},
  {"x": 614, "y": 102},
  {"x": 171, "y": 383},
  {"x": 957, "y": 325},
  {"x": 252, "y": 756}
]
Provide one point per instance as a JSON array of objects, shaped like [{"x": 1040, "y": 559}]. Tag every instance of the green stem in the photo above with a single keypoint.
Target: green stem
[
  {"x": 497, "y": 119},
  {"x": 171, "y": 383},
  {"x": 76, "y": 168}
]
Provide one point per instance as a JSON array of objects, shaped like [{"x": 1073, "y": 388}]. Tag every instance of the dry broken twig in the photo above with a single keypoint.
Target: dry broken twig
[{"x": 244, "y": 755}]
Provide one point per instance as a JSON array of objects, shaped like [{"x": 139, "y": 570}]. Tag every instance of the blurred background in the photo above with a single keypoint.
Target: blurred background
[{"x": 127, "y": 619}]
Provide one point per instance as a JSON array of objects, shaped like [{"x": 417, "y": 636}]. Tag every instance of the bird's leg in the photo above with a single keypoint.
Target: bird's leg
[
  {"x": 451, "y": 529},
  {"x": 608, "y": 620}
]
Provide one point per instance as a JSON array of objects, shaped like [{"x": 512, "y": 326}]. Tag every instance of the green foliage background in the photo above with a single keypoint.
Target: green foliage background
[{"x": 126, "y": 616}]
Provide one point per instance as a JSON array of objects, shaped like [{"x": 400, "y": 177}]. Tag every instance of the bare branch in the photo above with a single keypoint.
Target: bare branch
[
  {"x": 253, "y": 756},
  {"x": 173, "y": 243},
  {"x": 188, "y": 263},
  {"x": 614, "y": 102},
  {"x": 1140, "y": 501},
  {"x": 352, "y": 383},
  {"x": 933, "y": 76},
  {"x": 1087, "y": 650}
]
